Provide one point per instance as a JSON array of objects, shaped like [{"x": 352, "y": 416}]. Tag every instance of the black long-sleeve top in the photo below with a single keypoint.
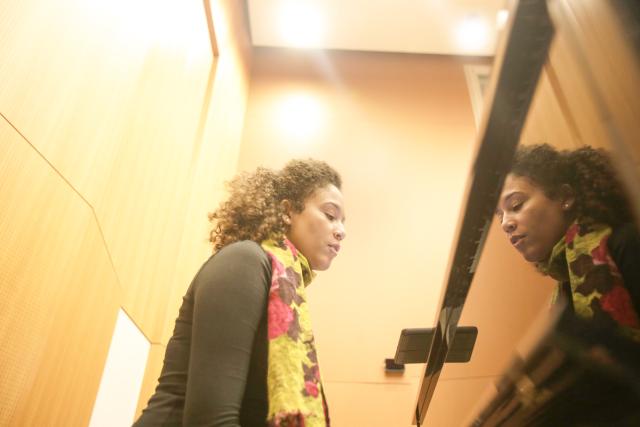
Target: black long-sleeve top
[
  {"x": 215, "y": 366},
  {"x": 624, "y": 247}
]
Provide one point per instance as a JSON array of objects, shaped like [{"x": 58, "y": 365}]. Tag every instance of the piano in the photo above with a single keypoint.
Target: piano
[{"x": 572, "y": 373}]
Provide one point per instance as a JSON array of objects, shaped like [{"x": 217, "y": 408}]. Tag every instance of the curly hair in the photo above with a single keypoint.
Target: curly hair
[
  {"x": 254, "y": 210},
  {"x": 599, "y": 195}
]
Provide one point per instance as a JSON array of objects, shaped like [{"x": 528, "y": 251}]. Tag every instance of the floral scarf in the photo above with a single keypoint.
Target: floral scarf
[
  {"x": 296, "y": 397},
  {"x": 582, "y": 260}
]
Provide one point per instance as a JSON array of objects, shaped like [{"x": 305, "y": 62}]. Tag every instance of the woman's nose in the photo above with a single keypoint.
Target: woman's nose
[
  {"x": 508, "y": 224},
  {"x": 340, "y": 232}
]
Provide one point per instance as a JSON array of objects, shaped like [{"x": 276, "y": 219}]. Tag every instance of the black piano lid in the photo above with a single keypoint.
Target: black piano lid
[{"x": 511, "y": 90}]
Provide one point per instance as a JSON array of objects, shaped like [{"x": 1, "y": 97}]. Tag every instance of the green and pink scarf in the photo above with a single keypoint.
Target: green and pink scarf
[
  {"x": 598, "y": 292},
  {"x": 296, "y": 397}
]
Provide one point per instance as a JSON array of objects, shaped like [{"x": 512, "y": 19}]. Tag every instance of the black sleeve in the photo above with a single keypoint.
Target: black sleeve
[
  {"x": 230, "y": 299},
  {"x": 624, "y": 246}
]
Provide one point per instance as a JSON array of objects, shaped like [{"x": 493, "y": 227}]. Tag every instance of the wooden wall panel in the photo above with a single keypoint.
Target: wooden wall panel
[
  {"x": 126, "y": 104},
  {"x": 595, "y": 72},
  {"x": 83, "y": 78},
  {"x": 113, "y": 95},
  {"x": 155, "y": 219},
  {"x": 589, "y": 82},
  {"x": 59, "y": 293},
  {"x": 587, "y": 94},
  {"x": 216, "y": 160},
  {"x": 601, "y": 69},
  {"x": 601, "y": 48},
  {"x": 549, "y": 119},
  {"x": 120, "y": 104},
  {"x": 571, "y": 86}
]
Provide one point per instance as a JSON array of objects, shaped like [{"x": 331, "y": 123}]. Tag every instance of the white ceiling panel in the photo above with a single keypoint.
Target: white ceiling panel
[{"x": 413, "y": 26}]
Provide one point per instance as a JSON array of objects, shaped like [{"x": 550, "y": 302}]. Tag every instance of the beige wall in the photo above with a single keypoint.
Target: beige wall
[
  {"x": 400, "y": 130},
  {"x": 118, "y": 127}
]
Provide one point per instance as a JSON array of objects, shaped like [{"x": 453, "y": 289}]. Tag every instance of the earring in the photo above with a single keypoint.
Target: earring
[
  {"x": 287, "y": 220},
  {"x": 565, "y": 206}
]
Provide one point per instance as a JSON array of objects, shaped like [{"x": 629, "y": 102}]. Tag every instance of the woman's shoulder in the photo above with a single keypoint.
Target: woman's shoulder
[
  {"x": 240, "y": 261},
  {"x": 242, "y": 249},
  {"x": 244, "y": 256},
  {"x": 244, "y": 253}
]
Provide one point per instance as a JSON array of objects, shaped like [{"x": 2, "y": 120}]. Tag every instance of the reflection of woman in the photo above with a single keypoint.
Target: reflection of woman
[
  {"x": 242, "y": 351},
  {"x": 567, "y": 213}
]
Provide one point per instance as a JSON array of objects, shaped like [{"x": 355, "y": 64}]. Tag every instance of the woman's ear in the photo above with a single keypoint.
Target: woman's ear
[
  {"x": 286, "y": 208},
  {"x": 567, "y": 197}
]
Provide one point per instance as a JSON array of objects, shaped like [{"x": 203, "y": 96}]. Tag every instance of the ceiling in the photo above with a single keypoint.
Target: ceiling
[{"x": 412, "y": 26}]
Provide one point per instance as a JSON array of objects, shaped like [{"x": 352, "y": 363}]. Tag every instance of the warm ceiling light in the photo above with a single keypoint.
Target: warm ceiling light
[
  {"x": 301, "y": 24},
  {"x": 472, "y": 33},
  {"x": 300, "y": 115},
  {"x": 501, "y": 18}
]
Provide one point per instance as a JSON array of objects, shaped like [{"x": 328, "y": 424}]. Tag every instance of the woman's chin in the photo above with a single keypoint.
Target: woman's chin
[
  {"x": 320, "y": 265},
  {"x": 534, "y": 257}
]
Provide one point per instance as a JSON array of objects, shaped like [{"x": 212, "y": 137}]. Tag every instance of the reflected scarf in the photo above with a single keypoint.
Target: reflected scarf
[
  {"x": 296, "y": 398},
  {"x": 582, "y": 259}
]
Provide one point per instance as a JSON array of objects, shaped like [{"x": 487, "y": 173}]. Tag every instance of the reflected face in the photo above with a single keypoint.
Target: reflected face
[
  {"x": 533, "y": 222},
  {"x": 318, "y": 230}
]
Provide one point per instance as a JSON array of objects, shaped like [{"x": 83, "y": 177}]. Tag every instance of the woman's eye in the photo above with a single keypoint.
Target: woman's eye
[
  {"x": 516, "y": 207},
  {"x": 331, "y": 217}
]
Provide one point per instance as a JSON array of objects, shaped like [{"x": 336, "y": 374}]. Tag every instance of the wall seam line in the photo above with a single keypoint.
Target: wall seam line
[{"x": 75, "y": 190}]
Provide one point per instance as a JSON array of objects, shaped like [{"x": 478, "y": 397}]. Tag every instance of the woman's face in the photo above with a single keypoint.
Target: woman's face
[
  {"x": 318, "y": 230},
  {"x": 533, "y": 222}
]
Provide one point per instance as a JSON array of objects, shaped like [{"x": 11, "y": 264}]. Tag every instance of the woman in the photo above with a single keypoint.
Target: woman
[
  {"x": 567, "y": 213},
  {"x": 242, "y": 351}
]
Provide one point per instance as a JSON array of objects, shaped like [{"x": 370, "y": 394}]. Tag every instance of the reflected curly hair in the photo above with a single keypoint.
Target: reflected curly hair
[
  {"x": 599, "y": 195},
  {"x": 254, "y": 211}
]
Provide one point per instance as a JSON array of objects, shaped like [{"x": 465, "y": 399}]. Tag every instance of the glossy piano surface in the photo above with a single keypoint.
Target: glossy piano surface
[{"x": 602, "y": 38}]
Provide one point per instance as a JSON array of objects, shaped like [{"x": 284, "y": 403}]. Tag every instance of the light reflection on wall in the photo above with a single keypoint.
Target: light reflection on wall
[
  {"x": 472, "y": 33},
  {"x": 299, "y": 115},
  {"x": 146, "y": 23}
]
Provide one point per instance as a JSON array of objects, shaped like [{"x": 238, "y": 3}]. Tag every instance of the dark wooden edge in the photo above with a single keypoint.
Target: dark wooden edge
[
  {"x": 513, "y": 85},
  {"x": 622, "y": 145}
]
